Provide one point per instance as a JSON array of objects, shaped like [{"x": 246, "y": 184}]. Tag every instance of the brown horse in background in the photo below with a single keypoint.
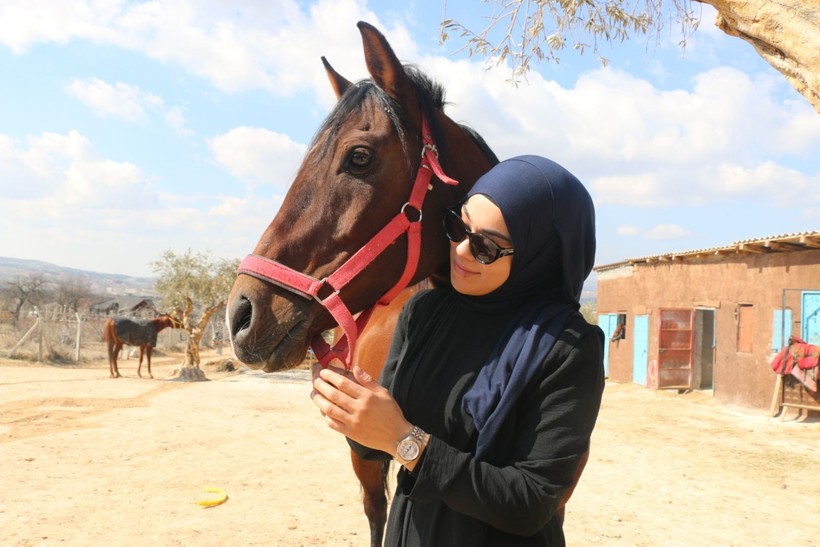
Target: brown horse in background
[
  {"x": 132, "y": 332},
  {"x": 356, "y": 176}
]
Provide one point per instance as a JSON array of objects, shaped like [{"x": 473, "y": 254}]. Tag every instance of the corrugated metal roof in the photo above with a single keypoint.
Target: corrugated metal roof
[{"x": 799, "y": 241}]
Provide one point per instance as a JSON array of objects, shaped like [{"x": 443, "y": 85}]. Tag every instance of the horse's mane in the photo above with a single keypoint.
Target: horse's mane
[{"x": 431, "y": 98}]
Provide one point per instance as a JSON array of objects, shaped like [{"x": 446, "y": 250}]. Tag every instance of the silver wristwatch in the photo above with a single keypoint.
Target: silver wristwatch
[{"x": 409, "y": 447}]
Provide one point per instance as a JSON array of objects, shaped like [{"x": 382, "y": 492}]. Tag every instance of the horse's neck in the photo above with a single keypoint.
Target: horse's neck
[{"x": 161, "y": 323}]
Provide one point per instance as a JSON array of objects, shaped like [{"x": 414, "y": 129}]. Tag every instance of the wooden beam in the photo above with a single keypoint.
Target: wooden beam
[
  {"x": 811, "y": 241},
  {"x": 754, "y": 248},
  {"x": 783, "y": 246}
]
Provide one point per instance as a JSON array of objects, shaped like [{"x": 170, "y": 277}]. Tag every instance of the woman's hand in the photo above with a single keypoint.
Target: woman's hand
[{"x": 359, "y": 408}]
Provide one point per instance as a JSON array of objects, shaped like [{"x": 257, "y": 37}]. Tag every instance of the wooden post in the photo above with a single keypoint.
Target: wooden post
[
  {"x": 25, "y": 337},
  {"x": 79, "y": 331},
  {"x": 40, "y": 341},
  {"x": 777, "y": 402}
]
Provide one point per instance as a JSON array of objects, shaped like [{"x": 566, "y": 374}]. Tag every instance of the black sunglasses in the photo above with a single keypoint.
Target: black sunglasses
[{"x": 484, "y": 249}]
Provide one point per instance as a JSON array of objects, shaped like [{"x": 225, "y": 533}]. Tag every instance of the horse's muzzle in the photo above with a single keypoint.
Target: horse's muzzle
[{"x": 267, "y": 330}]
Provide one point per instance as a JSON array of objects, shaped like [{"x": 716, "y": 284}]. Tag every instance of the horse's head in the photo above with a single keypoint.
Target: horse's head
[
  {"x": 355, "y": 178},
  {"x": 168, "y": 320}
]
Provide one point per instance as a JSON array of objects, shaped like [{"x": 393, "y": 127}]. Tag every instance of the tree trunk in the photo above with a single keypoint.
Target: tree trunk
[
  {"x": 190, "y": 370},
  {"x": 786, "y": 33},
  {"x": 192, "y": 351}
]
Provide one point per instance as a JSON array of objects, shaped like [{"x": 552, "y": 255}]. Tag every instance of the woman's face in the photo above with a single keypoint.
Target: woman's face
[{"x": 467, "y": 275}]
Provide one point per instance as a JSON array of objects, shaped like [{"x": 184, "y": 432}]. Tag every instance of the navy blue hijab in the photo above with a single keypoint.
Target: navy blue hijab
[{"x": 551, "y": 221}]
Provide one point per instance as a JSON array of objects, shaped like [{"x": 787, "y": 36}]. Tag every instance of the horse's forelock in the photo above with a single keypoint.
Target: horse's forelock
[
  {"x": 351, "y": 102},
  {"x": 431, "y": 99}
]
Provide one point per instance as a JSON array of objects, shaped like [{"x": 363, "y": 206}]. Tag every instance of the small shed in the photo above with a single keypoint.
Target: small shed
[{"x": 711, "y": 318}]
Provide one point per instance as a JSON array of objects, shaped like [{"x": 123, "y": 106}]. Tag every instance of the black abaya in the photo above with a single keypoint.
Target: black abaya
[{"x": 510, "y": 497}]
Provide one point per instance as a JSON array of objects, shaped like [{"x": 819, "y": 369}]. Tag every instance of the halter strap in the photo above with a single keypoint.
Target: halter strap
[{"x": 326, "y": 291}]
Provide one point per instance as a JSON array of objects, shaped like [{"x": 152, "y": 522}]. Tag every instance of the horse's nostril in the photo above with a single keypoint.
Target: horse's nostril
[{"x": 241, "y": 316}]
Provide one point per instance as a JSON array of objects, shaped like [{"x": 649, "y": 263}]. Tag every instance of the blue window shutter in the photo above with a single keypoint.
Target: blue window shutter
[{"x": 778, "y": 330}]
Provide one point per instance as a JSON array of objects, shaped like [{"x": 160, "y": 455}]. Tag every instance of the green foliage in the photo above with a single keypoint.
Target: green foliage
[
  {"x": 523, "y": 30},
  {"x": 191, "y": 280},
  {"x": 589, "y": 309}
]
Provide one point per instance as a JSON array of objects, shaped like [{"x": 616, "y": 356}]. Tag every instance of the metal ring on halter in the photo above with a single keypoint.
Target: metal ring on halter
[
  {"x": 322, "y": 299},
  {"x": 405, "y": 206}
]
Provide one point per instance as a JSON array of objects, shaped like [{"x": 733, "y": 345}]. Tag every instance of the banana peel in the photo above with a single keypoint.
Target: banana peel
[{"x": 220, "y": 498}]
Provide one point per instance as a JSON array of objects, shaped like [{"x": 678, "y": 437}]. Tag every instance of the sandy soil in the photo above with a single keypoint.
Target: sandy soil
[{"x": 87, "y": 460}]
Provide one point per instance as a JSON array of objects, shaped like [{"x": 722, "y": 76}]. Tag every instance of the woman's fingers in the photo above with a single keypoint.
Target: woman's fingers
[
  {"x": 332, "y": 395},
  {"x": 357, "y": 406},
  {"x": 342, "y": 380},
  {"x": 335, "y": 416}
]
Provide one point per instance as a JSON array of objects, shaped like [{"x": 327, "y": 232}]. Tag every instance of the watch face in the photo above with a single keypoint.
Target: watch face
[{"x": 408, "y": 449}]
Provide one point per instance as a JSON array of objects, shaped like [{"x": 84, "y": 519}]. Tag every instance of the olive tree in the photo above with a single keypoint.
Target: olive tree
[
  {"x": 194, "y": 286},
  {"x": 784, "y": 33}
]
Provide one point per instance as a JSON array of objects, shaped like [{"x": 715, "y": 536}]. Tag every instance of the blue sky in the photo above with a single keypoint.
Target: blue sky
[{"x": 130, "y": 128}]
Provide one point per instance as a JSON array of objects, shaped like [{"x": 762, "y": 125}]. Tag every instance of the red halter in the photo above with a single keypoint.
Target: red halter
[{"x": 310, "y": 287}]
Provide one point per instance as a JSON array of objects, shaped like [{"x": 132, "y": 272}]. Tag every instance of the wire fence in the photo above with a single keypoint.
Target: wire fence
[{"x": 65, "y": 338}]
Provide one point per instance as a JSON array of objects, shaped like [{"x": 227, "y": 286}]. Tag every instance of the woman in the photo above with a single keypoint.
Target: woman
[{"x": 492, "y": 387}]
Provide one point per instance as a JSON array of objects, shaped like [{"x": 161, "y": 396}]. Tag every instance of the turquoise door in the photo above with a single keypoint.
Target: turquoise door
[
  {"x": 608, "y": 323},
  {"x": 640, "y": 349},
  {"x": 811, "y": 317}
]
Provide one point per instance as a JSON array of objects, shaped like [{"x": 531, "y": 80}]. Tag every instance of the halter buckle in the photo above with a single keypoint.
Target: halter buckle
[{"x": 416, "y": 209}]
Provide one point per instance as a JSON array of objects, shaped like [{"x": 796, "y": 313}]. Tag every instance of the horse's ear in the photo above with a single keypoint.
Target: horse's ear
[
  {"x": 385, "y": 67},
  {"x": 339, "y": 82}
]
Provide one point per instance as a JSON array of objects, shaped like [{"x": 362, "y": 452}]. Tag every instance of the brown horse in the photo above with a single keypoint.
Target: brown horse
[
  {"x": 140, "y": 333},
  {"x": 357, "y": 175}
]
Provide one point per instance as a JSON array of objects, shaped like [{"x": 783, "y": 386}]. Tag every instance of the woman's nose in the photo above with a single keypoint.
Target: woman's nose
[{"x": 463, "y": 249}]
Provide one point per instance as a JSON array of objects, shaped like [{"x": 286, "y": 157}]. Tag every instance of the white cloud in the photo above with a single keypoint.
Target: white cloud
[
  {"x": 625, "y": 230},
  {"x": 36, "y": 168},
  {"x": 634, "y": 144},
  {"x": 667, "y": 231},
  {"x": 105, "y": 213},
  {"x": 175, "y": 118},
  {"x": 120, "y": 100},
  {"x": 237, "y": 47},
  {"x": 64, "y": 170},
  {"x": 767, "y": 178},
  {"x": 126, "y": 102},
  {"x": 258, "y": 156},
  {"x": 23, "y": 24},
  {"x": 107, "y": 184},
  {"x": 634, "y": 189}
]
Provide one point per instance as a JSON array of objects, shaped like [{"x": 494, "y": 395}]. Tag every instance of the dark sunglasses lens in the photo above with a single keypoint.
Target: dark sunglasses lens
[
  {"x": 483, "y": 249},
  {"x": 454, "y": 227}
]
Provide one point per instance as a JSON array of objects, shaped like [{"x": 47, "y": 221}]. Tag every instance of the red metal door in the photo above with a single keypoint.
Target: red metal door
[{"x": 676, "y": 349}]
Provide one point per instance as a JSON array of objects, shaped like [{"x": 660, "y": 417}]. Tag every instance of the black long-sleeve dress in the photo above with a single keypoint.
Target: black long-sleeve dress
[{"x": 511, "y": 496}]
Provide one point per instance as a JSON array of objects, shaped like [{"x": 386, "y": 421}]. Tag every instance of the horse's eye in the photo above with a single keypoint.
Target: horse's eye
[{"x": 359, "y": 159}]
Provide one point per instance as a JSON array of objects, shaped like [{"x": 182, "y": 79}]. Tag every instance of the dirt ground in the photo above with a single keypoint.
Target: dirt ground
[{"x": 87, "y": 460}]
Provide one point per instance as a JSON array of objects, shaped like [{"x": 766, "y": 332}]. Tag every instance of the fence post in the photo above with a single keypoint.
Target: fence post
[
  {"x": 79, "y": 331},
  {"x": 39, "y": 337},
  {"x": 25, "y": 337}
]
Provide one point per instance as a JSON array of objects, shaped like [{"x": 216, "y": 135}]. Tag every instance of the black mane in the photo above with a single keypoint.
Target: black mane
[{"x": 431, "y": 97}]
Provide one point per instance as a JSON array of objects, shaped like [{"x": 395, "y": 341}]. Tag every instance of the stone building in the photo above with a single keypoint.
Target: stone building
[{"x": 711, "y": 318}]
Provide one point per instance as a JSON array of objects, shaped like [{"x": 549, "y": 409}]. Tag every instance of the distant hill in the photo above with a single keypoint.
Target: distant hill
[
  {"x": 124, "y": 285},
  {"x": 590, "y": 291},
  {"x": 100, "y": 283}
]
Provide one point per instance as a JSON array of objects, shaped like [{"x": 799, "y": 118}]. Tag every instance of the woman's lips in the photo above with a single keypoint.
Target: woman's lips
[{"x": 460, "y": 270}]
